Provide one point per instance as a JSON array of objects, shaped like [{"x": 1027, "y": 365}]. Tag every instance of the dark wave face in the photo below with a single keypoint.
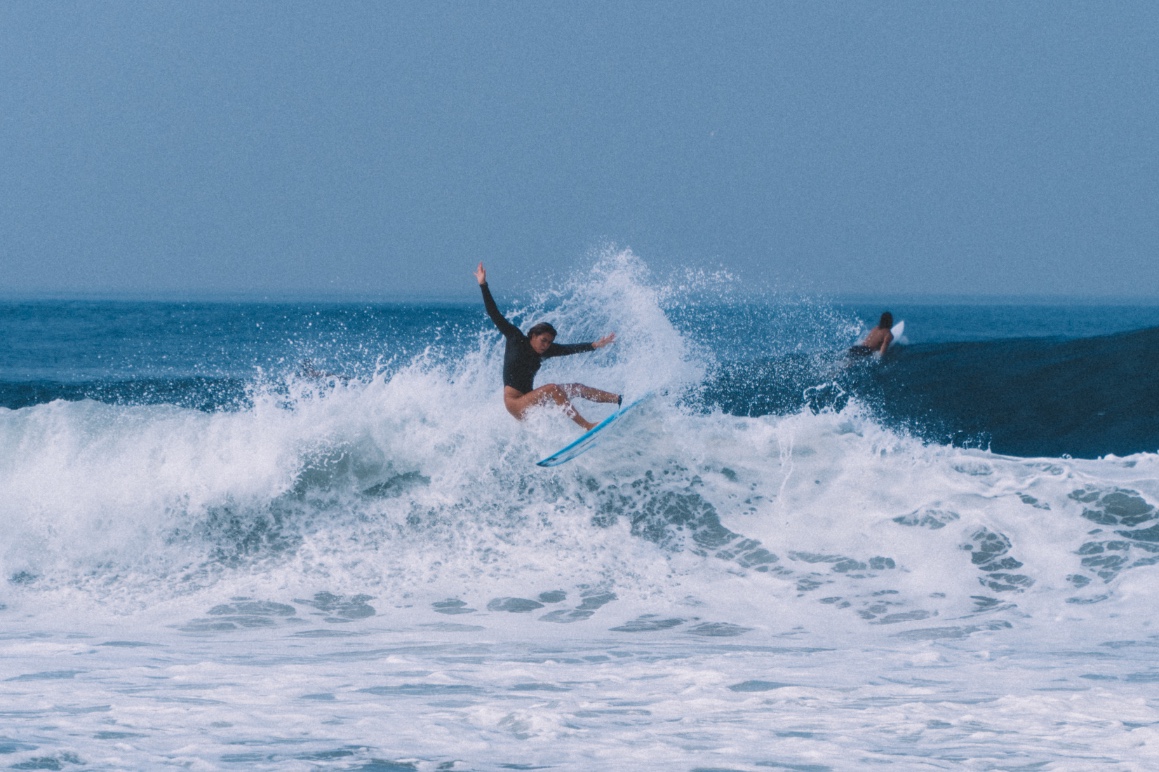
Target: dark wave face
[
  {"x": 1084, "y": 398},
  {"x": 1027, "y": 397}
]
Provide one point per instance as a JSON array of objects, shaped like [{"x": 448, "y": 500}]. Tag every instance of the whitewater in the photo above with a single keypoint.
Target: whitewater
[{"x": 215, "y": 557}]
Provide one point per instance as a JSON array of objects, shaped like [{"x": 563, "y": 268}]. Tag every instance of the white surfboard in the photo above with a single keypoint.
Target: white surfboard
[
  {"x": 897, "y": 331},
  {"x": 589, "y": 438}
]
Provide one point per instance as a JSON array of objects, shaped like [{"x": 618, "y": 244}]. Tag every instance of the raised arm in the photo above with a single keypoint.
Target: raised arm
[{"x": 507, "y": 328}]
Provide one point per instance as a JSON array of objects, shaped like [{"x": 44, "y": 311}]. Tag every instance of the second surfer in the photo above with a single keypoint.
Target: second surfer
[
  {"x": 877, "y": 341},
  {"x": 522, "y": 360}
]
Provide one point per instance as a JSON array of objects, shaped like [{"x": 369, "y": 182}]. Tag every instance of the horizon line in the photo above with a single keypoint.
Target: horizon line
[{"x": 405, "y": 298}]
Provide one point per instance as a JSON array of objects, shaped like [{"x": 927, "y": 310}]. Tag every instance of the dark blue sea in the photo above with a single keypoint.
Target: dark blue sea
[{"x": 306, "y": 535}]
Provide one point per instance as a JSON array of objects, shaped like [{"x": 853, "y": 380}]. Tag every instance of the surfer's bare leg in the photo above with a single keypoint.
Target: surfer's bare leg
[
  {"x": 518, "y": 404},
  {"x": 587, "y": 392}
]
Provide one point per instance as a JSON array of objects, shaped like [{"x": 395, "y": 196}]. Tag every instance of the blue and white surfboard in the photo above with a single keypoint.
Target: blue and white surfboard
[{"x": 588, "y": 440}]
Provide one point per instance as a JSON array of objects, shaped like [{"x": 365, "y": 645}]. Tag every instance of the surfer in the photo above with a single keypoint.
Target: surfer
[
  {"x": 878, "y": 339},
  {"x": 523, "y": 357}
]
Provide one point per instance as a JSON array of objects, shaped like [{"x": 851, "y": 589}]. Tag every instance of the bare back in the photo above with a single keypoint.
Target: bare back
[{"x": 878, "y": 339}]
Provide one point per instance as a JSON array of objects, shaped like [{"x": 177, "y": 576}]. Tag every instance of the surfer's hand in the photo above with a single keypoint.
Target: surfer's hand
[
  {"x": 609, "y": 338},
  {"x": 481, "y": 274}
]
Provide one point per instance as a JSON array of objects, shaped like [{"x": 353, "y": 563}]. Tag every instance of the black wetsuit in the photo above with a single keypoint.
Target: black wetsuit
[{"x": 520, "y": 362}]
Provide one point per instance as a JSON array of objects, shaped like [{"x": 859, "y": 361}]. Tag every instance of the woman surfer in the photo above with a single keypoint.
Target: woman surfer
[{"x": 523, "y": 357}]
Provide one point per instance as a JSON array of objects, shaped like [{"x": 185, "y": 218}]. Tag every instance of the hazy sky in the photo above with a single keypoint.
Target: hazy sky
[{"x": 383, "y": 147}]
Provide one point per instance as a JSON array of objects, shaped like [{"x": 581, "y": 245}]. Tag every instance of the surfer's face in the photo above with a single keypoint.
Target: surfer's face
[{"x": 542, "y": 342}]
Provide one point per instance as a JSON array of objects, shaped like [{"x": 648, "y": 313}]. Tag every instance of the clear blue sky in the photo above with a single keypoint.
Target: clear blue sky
[{"x": 384, "y": 147}]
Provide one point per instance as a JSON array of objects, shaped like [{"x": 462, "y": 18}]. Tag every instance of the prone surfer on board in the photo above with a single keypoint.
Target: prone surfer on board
[
  {"x": 523, "y": 357},
  {"x": 878, "y": 339}
]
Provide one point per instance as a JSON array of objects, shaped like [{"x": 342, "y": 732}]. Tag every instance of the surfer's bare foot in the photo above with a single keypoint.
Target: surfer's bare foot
[{"x": 587, "y": 425}]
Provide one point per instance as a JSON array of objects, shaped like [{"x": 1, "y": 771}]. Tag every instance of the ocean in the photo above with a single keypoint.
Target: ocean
[{"x": 306, "y": 535}]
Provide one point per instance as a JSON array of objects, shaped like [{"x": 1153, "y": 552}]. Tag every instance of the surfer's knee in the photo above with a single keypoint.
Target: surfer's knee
[
  {"x": 544, "y": 395},
  {"x": 554, "y": 392}
]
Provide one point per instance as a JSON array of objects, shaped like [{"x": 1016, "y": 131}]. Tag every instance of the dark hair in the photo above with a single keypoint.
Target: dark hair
[
  {"x": 886, "y": 320},
  {"x": 541, "y": 328}
]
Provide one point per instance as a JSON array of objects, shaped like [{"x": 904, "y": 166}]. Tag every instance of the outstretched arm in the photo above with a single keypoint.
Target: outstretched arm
[
  {"x": 566, "y": 349},
  {"x": 609, "y": 338},
  {"x": 507, "y": 328}
]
